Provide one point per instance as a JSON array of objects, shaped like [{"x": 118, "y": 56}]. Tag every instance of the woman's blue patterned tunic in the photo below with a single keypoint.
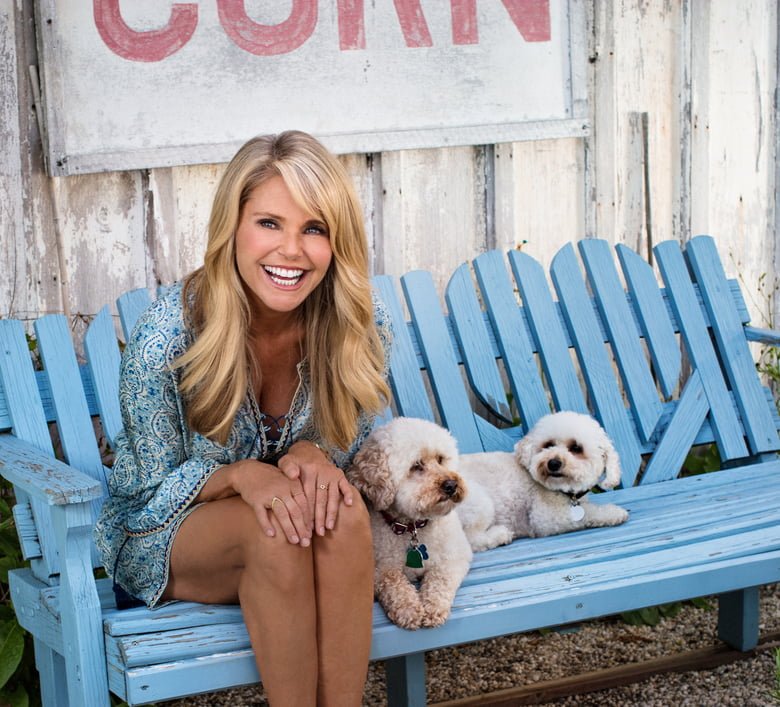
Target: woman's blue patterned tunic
[{"x": 161, "y": 465}]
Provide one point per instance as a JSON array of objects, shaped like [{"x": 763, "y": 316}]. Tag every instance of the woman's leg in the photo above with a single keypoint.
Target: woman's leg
[
  {"x": 344, "y": 578},
  {"x": 220, "y": 555}
]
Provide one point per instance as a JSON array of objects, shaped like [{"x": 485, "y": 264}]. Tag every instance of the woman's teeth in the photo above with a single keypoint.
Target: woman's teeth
[{"x": 284, "y": 276}]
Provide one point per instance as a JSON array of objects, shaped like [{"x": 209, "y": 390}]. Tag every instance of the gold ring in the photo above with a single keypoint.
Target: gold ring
[
  {"x": 274, "y": 500},
  {"x": 323, "y": 487}
]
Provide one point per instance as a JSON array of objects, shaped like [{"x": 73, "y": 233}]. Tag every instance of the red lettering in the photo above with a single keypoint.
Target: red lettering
[
  {"x": 413, "y": 24},
  {"x": 531, "y": 17},
  {"x": 268, "y": 40},
  {"x": 352, "y": 27},
  {"x": 151, "y": 45}
]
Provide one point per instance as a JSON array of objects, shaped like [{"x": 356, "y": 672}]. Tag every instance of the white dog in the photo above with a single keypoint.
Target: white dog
[
  {"x": 406, "y": 470},
  {"x": 541, "y": 488}
]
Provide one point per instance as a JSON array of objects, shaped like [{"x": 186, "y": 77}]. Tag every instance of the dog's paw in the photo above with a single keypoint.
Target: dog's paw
[
  {"x": 435, "y": 615},
  {"x": 499, "y": 535},
  {"x": 408, "y": 616},
  {"x": 615, "y": 515}
]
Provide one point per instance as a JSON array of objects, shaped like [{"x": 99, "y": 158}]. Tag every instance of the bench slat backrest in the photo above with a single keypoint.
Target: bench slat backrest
[
  {"x": 732, "y": 345},
  {"x": 28, "y": 423},
  {"x": 517, "y": 335},
  {"x": 103, "y": 358},
  {"x": 596, "y": 366}
]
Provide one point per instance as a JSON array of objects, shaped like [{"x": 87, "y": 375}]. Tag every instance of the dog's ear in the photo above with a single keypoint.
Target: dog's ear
[
  {"x": 370, "y": 474},
  {"x": 524, "y": 451},
  {"x": 611, "y": 466}
]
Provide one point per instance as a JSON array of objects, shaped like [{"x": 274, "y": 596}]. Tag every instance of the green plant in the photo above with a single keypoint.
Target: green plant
[
  {"x": 18, "y": 676},
  {"x": 653, "y": 615},
  {"x": 701, "y": 460}
]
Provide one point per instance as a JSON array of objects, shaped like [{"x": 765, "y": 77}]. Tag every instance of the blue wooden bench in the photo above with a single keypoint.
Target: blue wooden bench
[{"x": 590, "y": 343}]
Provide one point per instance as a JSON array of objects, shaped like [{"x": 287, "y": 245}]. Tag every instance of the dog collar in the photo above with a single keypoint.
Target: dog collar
[
  {"x": 576, "y": 511},
  {"x": 400, "y": 528}
]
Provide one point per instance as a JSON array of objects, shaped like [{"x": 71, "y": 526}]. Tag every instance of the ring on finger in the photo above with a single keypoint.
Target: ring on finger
[
  {"x": 274, "y": 500},
  {"x": 323, "y": 487}
]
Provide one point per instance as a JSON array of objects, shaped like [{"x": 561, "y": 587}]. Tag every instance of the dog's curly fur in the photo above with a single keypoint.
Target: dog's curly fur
[
  {"x": 408, "y": 468},
  {"x": 524, "y": 494}
]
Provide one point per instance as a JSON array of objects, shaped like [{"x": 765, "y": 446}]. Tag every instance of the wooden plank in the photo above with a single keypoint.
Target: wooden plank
[
  {"x": 131, "y": 305},
  {"x": 441, "y": 363},
  {"x": 726, "y": 425},
  {"x": 475, "y": 343},
  {"x": 623, "y": 336},
  {"x": 595, "y": 364},
  {"x": 46, "y": 479},
  {"x": 512, "y": 334},
  {"x": 26, "y": 530},
  {"x": 433, "y": 211},
  {"x": 616, "y": 676},
  {"x": 12, "y": 237},
  {"x": 544, "y": 320},
  {"x": 179, "y": 206},
  {"x": 651, "y": 312},
  {"x": 28, "y": 421},
  {"x": 680, "y": 434},
  {"x": 103, "y": 358},
  {"x": 735, "y": 355},
  {"x": 534, "y": 209},
  {"x": 77, "y": 434},
  {"x": 80, "y": 607},
  {"x": 409, "y": 394}
]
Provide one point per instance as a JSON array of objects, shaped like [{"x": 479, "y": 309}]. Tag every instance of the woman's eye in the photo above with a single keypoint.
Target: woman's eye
[
  {"x": 316, "y": 230},
  {"x": 266, "y": 223}
]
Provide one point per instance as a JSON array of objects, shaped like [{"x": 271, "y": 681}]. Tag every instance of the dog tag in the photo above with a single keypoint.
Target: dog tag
[
  {"x": 415, "y": 556},
  {"x": 576, "y": 512}
]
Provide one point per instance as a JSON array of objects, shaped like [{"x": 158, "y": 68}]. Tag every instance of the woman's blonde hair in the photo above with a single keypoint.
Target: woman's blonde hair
[{"x": 344, "y": 352}]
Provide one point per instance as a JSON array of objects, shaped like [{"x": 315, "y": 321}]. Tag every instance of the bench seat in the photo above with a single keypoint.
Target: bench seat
[{"x": 672, "y": 549}]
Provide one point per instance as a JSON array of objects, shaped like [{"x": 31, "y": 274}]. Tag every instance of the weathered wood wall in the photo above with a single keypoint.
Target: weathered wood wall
[{"x": 683, "y": 141}]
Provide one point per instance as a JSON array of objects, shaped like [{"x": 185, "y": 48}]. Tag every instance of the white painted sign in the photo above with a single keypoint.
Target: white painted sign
[{"x": 144, "y": 83}]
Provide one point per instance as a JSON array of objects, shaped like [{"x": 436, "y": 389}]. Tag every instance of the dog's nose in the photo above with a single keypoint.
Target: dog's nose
[
  {"x": 449, "y": 487},
  {"x": 554, "y": 464}
]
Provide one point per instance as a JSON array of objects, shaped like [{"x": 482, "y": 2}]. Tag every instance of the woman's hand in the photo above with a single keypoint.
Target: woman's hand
[
  {"x": 323, "y": 482},
  {"x": 270, "y": 492}
]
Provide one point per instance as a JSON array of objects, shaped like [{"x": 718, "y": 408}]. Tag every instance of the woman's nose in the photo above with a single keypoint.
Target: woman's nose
[{"x": 291, "y": 245}]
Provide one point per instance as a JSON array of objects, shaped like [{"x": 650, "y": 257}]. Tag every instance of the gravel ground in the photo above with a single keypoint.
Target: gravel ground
[{"x": 525, "y": 659}]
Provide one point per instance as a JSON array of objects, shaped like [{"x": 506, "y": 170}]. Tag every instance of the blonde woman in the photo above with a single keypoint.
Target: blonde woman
[{"x": 244, "y": 393}]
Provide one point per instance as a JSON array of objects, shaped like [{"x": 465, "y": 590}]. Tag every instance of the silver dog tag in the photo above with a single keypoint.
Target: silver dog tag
[{"x": 576, "y": 512}]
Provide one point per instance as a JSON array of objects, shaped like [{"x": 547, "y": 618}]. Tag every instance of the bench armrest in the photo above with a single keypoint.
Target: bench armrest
[
  {"x": 43, "y": 477},
  {"x": 763, "y": 336}
]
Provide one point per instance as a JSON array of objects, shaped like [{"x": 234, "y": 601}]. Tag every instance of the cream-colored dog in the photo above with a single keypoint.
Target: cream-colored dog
[
  {"x": 541, "y": 488},
  {"x": 407, "y": 472}
]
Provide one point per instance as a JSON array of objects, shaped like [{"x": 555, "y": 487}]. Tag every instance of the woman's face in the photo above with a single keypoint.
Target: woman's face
[{"x": 282, "y": 251}]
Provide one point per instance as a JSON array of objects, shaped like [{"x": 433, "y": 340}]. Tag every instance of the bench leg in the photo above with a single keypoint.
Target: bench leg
[
  {"x": 406, "y": 680},
  {"x": 738, "y": 618},
  {"x": 80, "y": 613},
  {"x": 51, "y": 672}
]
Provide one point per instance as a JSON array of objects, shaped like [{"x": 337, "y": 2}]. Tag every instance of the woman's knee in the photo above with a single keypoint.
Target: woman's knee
[
  {"x": 353, "y": 526},
  {"x": 271, "y": 560}
]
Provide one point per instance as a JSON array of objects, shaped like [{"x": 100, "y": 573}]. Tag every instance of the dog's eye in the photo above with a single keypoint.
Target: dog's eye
[
  {"x": 440, "y": 459},
  {"x": 575, "y": 448},
  {"x": 418, "y": 466},
  {"x": 548, "y": 444}
]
